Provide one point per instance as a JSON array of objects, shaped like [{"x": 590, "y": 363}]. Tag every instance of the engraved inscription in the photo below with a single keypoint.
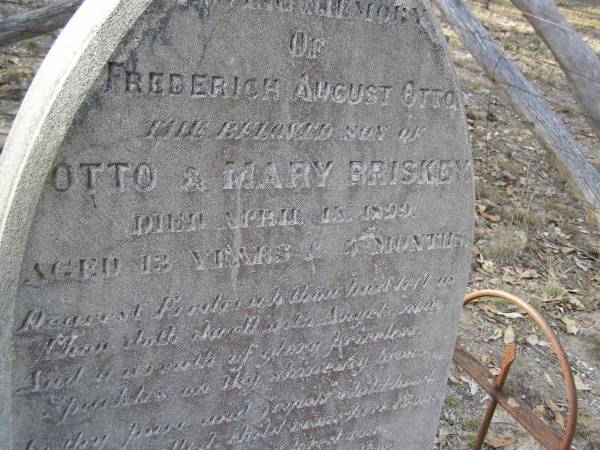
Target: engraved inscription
[
  {"x": 170, "y": 129},
  {"x": 310, "y": 89},
  {"x": 167, "y": 223},
  {"x": 195, "y": 85},
  {"x": 302, "y": 44},
  {"x": 114, "y": 176},
  {"x": 297, "y": 174},
  {"x": 391, "y": 173},
  {"x": 295, "y": 131},
  {"x": 255, "y": 234}
]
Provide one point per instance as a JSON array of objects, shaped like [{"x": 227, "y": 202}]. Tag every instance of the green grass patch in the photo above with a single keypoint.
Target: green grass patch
[{"x": 453, "y": 401}]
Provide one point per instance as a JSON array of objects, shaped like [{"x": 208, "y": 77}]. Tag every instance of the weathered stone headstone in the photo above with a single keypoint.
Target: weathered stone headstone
[{"x": 236, "y": 224}]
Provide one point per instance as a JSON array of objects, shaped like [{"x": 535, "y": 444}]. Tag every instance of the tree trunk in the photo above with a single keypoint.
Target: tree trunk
[
  {"x": 526, "y": 99},
  {"x": 39, "y": 21},
  {"x": 579, "y": 62}
]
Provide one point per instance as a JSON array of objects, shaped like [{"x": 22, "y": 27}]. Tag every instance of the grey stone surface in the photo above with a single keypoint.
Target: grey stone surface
[{"x": 239, "y": 224}]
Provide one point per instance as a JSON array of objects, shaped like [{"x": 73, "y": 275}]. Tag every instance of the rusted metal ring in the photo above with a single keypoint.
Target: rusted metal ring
[{"x": 563, "y": 361}]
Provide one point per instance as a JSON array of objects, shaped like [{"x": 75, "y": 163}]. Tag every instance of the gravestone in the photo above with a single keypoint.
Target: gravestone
[{"x": 237, "y": 224}]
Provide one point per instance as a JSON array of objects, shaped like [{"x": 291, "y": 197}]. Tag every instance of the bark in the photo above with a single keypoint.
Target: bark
[
  {"x": 578, "y": 61},
  {"x": 34, "y": 23}
]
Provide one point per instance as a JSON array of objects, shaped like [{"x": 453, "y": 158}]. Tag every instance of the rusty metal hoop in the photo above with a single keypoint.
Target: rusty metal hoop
[{"x": 538, "y": 429}]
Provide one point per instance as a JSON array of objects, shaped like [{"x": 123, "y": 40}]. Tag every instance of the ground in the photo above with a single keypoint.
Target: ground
[{"x": 533, "y": 237}]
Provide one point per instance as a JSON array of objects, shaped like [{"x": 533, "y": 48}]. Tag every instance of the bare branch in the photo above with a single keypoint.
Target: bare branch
[
  {"x": 37, "y": 22},
  {"x": 526, "y": 99}
]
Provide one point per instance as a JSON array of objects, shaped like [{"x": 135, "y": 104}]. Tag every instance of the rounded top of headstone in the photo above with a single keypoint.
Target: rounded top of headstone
[{"x": 237, "y": 224}]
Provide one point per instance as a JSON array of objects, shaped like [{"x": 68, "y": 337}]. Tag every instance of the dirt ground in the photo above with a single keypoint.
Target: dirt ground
[{"x": 533, "y": 237}]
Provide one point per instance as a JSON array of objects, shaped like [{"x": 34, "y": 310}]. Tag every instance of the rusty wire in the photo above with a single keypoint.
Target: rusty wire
[{"x": 537, "y": 428}]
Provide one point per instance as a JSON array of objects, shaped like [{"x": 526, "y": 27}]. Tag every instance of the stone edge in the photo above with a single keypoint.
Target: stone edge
[
  {"x": 57, "y": 91},
  {"x": 68, "y": 72},
  {"x": 435, "y": 33}
]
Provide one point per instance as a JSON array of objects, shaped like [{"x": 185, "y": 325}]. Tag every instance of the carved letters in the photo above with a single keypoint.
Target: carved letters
[{"x": 253, "y": 243}]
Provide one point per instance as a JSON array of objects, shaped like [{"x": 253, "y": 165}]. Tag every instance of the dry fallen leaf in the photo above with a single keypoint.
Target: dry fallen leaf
[
  {"x": 558, "y": 417},
  {"x": 494, "y": 337},
  {"x": 509, "y": 335},
  {"x": 571, "y": 325},
  {"x": 502, "y": 441},
  {"x": 443, "y": 434},
  {"x": 509, "y": 279},
  {"x": 544, "y": 344},
  {"x": 489, "y": 310},
  {"x": 552, "y": 405},
  {"x": 533, "y": 339},
  {"x": 527, "y": 273},
  {"x": 486, "y": 358},
  {"x": 474, "y": 387},
  {"x": 488, "y": 266},
  {"x": 573, "y": 301},
  {"x": 580, "y": 385},
  {"x": 511, "y": 315},
  {"x": 453, "y": 379},
  {"x": 581, "y": 264},
  {"x": 549, "y": 380},
  {"x": 5, "y": 88}
]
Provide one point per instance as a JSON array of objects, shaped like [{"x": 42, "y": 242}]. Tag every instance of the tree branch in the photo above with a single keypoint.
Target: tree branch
[{"x": 34, "y": 23}]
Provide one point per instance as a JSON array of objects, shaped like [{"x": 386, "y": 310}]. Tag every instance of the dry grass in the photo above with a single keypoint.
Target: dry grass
[
  {"x": 553, "y": 289},
  {"x": 507, "y": 245}
]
